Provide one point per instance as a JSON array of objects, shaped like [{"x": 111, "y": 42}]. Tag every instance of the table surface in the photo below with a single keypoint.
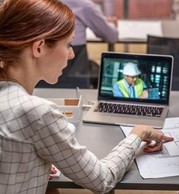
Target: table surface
[
  {"x": 100, "y": 139},
  {"x": 136, "y": 31}
]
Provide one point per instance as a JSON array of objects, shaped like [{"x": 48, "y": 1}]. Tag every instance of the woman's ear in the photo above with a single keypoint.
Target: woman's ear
[{"x": 38, "y": 48}]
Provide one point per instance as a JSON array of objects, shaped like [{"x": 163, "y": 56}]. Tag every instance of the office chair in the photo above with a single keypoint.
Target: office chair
[{"x": 166, "y": 46}]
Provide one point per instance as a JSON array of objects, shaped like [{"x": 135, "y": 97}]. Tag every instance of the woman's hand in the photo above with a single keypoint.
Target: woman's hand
[
  {"x": 52, "y": 171},
  {"x": 153, "y": 137}
]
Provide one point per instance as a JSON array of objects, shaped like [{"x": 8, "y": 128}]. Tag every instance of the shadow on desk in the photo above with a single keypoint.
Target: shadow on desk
[{"x": 53, "y": 191}]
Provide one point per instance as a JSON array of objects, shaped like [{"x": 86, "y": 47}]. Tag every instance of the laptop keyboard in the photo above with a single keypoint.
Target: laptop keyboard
[{"x": 129, "y": 109}]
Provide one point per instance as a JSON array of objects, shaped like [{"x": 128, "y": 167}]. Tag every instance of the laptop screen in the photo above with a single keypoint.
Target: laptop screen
[{"x": 135, "y": 77}]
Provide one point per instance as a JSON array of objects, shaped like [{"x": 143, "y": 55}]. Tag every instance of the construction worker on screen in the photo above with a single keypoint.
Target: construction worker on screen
[{"x": 130, "y": 86}]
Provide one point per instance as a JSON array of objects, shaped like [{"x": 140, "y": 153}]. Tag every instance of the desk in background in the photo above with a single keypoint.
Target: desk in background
[
  {"x": 136, "y": 31},
  {"x": 100, "y": 139}
]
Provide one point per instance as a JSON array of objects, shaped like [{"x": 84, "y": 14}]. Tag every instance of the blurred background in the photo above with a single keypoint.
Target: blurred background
[{"x": 137, "y": 10}]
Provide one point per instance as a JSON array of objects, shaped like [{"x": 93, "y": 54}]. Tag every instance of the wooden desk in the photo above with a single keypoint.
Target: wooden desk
[
  {"x": 100, "y": 139},
  {"x": 136, "y": 31}
]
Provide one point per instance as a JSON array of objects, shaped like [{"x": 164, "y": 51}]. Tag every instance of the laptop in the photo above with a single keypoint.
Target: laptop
[{"x": 150, "y": 103}]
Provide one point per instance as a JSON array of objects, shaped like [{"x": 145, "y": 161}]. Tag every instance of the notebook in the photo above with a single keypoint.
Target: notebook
[{"x": 148, "y": 101}]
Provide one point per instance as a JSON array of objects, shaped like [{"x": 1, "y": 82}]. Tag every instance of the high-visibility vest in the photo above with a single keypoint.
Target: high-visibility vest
[{"x": 138, "y": 87}]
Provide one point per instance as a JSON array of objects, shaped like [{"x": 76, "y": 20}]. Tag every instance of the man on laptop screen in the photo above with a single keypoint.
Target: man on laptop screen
[{"x": 130, "y": 85}]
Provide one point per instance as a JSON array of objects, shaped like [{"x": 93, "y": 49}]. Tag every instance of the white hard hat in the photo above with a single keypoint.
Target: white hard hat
[{"x": 131, "y": 69}]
